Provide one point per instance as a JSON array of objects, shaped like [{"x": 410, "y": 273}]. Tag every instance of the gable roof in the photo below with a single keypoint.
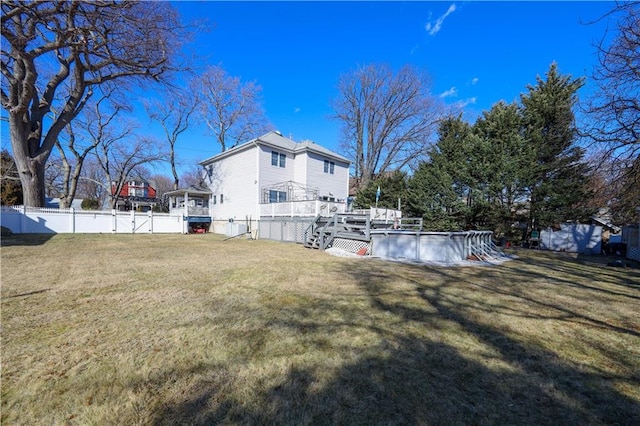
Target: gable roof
[
  {"x": 275, "y": 140},
  {"x": 193, "y": 189}
]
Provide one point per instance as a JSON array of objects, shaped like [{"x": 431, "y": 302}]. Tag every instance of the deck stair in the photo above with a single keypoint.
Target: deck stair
[
  {"x": 351, "y": 226},
  {"x": 323, "y": 230}
]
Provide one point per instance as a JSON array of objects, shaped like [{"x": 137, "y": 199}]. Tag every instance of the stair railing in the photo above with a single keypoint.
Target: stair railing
[{"x": 311, "y": 228}]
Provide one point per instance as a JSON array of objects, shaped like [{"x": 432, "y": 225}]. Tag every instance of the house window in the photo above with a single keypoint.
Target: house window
[
  {"x": 221, "y": 198},
  {"x": 278, "y": 159},
  {"x": 329, "y": 166},
  {"x": 215, "y": 199},
  {"x": 136, "y": 192},
  {"x": 277, "y": 196}
]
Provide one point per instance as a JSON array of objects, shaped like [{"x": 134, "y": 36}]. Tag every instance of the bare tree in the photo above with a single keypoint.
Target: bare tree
[
  {"x": 95, "y": 127},
  {"x": 613, "y": 113},
  {"x": 121, "y": 159},
  {"x": 387, "y": 119},
  {"x": 194, "y": 176},
  {"x": 93, "y": 183},
  {"x": 163, "y": 184},
  {"x": 90, "y": 44},
  {"x": 232, "y": 110},
  {"x": 614, "y": 110},
  {"x": 173, "y": 113}
]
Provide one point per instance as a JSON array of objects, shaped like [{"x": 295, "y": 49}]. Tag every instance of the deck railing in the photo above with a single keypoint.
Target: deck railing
[
  {"x": 302, "y": 208},
  {"x": 190, "y": 211}
]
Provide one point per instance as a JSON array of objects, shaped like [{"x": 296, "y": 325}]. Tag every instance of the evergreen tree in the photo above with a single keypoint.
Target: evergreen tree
[
  {"x": 558, "y": 181},
  {"x": 10, "y": 188},
  {"x": 393, "y": 186},
  {"x": 507, "y": 167},
  {"x": 431, "y": 195},
  {"x": 440, "y": 190}
]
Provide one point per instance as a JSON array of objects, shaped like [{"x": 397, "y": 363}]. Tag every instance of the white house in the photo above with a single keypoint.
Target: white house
[{"x": 273, "y": 176}]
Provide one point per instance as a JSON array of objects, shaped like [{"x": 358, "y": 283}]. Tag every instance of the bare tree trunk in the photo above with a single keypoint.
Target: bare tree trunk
[
  {"x": 176, "y": 181},
  {"x": 67, "y": 196},
  {"x": 30, "y": 167},
  {"x": 32, "y": 180}
]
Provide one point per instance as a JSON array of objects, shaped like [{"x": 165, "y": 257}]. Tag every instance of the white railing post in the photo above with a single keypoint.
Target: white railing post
[
  {"x": 114, "y": 221},
  {"x": 133, "y": 221},
  {"x": 73, "y": 220},
  {"x": 150, "y": 214}
]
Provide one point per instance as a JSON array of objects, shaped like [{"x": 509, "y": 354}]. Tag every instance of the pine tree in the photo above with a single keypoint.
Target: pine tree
[
  {"x": 440, "y": 190},
  {"x": 392, "y": 186},
  {"x": 10, "y": 189},
  {"x": 507, "y": 166},
  {"x": 558, "y": 181}
]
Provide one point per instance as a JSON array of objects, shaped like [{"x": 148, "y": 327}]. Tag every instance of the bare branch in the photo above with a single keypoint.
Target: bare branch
[
  {"x": 92, "y": 43},
  {"x": 232, "y": 110},
  {"x": 387, "y": 120}
]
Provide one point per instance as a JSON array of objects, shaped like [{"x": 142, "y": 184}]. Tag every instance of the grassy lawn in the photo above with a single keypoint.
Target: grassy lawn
[{"x": 174, "y": 329}]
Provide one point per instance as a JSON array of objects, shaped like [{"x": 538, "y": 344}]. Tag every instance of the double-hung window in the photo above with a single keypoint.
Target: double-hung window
[
  {"x": 329, "y": 167},
  {"x": 278, "y": 159},
  {"x": 277, "y": 196}
]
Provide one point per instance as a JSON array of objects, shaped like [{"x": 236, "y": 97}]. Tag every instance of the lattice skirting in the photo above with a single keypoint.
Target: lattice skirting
[
  {"x": 352, "y": 246},
  {"x": 633, "y": 253}
]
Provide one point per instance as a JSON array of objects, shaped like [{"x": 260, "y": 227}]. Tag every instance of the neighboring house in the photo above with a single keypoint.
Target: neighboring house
[
  {"x": 136, "y": 194},
  {"x": 54, "y": 203},
  {"x": 274, "y": 176}
]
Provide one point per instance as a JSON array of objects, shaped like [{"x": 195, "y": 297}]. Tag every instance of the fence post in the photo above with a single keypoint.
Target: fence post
[
  {"x": 368, "y": 228},
  {"x": 133, "y": 221},
  {"x": 150, "y": 213},
  {"x": 73, "y": 220},
  {"x": 114, "y": 221}
]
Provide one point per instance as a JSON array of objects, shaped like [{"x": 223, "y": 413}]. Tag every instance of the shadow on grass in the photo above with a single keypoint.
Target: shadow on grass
[
  {"x": 405, "y": 379},
  {"x": 551, "y": 264},
  {"x": 25, "y": 239}
]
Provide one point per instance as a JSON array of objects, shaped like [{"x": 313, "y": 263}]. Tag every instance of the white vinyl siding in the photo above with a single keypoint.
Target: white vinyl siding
[
  {"x": 246, "y": 176},
  {"x": 336, "y": 183},
  {"x": 269, "y": 174},
  {"x": 234, "y": 186}
]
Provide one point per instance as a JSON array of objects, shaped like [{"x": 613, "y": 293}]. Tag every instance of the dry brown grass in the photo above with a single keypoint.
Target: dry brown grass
[{"x": 172, "y": 329}]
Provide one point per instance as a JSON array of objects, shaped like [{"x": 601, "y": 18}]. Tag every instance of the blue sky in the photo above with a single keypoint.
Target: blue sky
[{"x": 477, "y": 53}]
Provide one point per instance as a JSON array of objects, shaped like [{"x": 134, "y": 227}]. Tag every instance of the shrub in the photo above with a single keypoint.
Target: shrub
[{"x": 90, "y": 204}]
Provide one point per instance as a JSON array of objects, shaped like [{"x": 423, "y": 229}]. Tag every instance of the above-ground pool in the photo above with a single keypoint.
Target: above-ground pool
[{"x": 449, "y": 247}]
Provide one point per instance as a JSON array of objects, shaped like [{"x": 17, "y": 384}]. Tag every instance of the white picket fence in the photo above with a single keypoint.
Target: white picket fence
[{"x": 32, "y": 220}]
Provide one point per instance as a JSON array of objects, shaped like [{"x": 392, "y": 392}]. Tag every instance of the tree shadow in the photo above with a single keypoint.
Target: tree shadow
[
  {"x": 558, "y": 263},
  {"x": 25, "y": 240},
  {"x": 410, "y": 379}
]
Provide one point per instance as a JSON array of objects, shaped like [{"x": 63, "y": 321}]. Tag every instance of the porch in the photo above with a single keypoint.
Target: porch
[{"x": 193, "y": 205}]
